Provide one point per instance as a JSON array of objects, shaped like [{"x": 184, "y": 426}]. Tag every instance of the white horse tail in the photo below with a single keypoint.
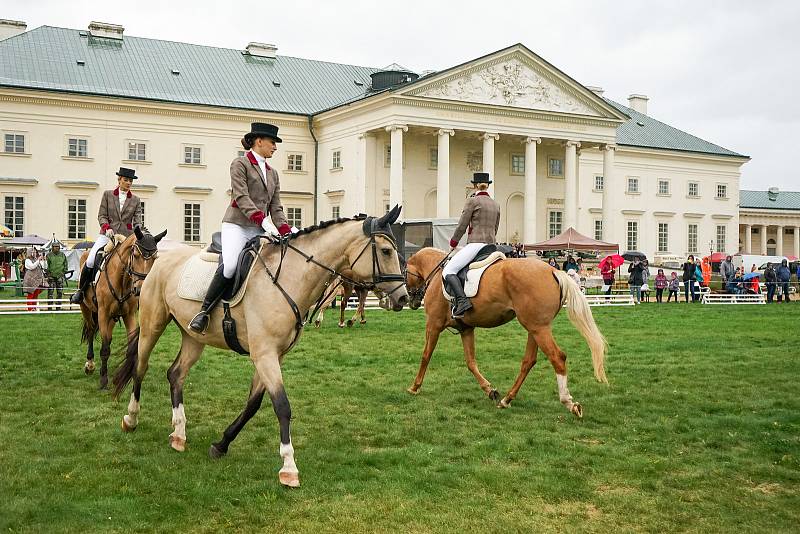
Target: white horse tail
[{"x": 580, "y": 315}]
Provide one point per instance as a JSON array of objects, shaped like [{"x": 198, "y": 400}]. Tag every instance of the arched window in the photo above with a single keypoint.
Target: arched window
[
  {"x": 514, "y": 218},
  {"x": 429, "y": 209}
]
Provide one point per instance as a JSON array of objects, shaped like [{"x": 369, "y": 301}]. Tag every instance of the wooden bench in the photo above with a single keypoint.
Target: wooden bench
[{"x": 729, "y": 298}]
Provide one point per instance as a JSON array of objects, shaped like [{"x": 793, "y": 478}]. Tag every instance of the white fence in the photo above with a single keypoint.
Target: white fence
[{"x": 41, "y": 305}]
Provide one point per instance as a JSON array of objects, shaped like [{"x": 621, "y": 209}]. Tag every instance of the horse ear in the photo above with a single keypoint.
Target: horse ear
[
  {"x": 138, "y": 231},
  {"x": 383, "y": 219},
  {"x": 160, "y": 236},
  {"x": 394, "y": 214}
]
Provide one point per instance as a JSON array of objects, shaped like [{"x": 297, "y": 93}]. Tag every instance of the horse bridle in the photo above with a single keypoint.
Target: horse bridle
[
  {"x": 419, "y": 292},
  {"x": 133, "y": 274}
]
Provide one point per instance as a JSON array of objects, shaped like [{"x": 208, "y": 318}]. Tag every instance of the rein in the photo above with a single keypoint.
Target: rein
[
  {"x": 128, "y": 272},
  {"x": 426, "y": 280}
]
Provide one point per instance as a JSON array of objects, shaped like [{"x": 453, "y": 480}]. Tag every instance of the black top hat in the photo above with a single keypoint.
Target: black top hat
[
  {"x": 262, "y": 129},
  {"x": 481, "y": 178},
  {"x": 127, "y": 173}
]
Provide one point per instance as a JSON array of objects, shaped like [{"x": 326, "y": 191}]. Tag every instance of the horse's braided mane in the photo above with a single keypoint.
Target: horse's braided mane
[{"x": 326, "y": 224}]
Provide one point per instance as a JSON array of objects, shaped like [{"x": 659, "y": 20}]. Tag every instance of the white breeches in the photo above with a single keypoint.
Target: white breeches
[
  {"x": 462, "y": 258},
  {"x": 234, "y": 238},
  {"x": 101, "y": 241}
]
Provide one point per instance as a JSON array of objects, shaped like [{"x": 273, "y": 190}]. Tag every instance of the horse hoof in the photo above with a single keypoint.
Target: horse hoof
[
  {"x": 504, "y": 403},
  {"x": 413, "y": 391},
  {"x": 290, "y": 480},
  {"x": 363, "y": 321},
  {"x": 349, "y": 323},
  {"x": 177, "y": 443},
  {"x": 88, "y": 368},
  {"x": 214, "y": 453},
  {"x": 125, "y": 426},
  {"x": 494, "y": 395},
  {"x": 341, "y": 325},
  {"x": 103, "y": 387},
  {"x": 577, "y": 410},
  {"x": 316, "y": 324}
]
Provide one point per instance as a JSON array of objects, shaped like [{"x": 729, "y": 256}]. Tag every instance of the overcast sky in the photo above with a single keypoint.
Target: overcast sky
[{"x": 726, "y": 71}]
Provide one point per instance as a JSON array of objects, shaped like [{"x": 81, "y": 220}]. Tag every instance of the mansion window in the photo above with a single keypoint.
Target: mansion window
[
  {"x": 633, "y": 235},
  {"x": 599, "y": 183},
  {"x": 692, "y": 239},
  {"x": 722, "y": 191},
  {"x": 336, "y": 212},
  {"x": 15, "y": 143},
  {"x": 633, "y": 184},
  {"x": 191, "y": 222},
  {"x": 137, "y": 151},
  {"x": 433, "y": 158},
  {"x": 555, "y": 167},
  {"x": 517, "y": 164},
  {"x": 294, "y": 162},
  {"x": 554, "y": 222},
  {"x": 694, "y": 189},
  {"x": 77, "y": 148},
  {"x": 598, "y": 229},
  {"x": 663, "y": 187},
  {"x": 336, "y": 159},
  {"x": 14, "y": 215},
  {"x": 76, "y": 218},
  {"x": 294, "y": 216},
  {"x": 721, "y": 230},
  {"x": 663, "y": 237},
  {"x": 192, "y": 155}
]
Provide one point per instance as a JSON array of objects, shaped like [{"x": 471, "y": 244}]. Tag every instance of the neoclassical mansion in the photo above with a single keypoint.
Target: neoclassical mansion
[{"x": 78, "y": 104}]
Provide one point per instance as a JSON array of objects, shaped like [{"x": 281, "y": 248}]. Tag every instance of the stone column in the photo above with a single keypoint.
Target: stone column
[
  {"x": 366, "y": 147},
  {"x": 443, "y": 174},
  {"x": 779, "y": 241},
  {"x": 571, "y": 184},
  {"x": 796, "y": 241},
  {"x": 488, "y": 157},
  {"x": 763, "y": 235},
  {"x": 748, "y": 238},
  {"x": 529, "y": 204},
  {"x": 609, "y": 234},
  {"x": 396, "y": 168}
]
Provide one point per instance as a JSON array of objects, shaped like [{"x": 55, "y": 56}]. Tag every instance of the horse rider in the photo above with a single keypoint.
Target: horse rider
[
  {"x": 57, "y": 267},
  {"x": 120, "y": 210},
  {"x": 481, "y": 215},
  {"x": 255, "y": 209}
]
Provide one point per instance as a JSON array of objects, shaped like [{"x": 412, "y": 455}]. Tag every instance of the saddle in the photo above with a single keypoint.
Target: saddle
[{"x": 470, "y": 275}]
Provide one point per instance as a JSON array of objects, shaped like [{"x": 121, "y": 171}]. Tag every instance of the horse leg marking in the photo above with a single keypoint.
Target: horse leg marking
[
  {"x": 177, "y": 440},
  {"x": 131, "y": 419},
  {"x": 565, "y": 397}
]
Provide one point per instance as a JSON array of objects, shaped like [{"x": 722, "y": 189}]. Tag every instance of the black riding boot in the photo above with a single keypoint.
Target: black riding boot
[
  {"x": 83, "y": 284},
  {"x": 456, "y": 290},
  {"x": 215, "y": 290}
]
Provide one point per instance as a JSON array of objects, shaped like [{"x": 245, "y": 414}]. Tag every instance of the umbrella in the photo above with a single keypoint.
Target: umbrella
[
  {"x": 27, "y": 240},
  {"x": 634, "y": 255},
  {"x": 5, "y": 231},
  {"x": 83, "y": 245},
  {"x": 615, "y": 259},
  {"x": 750, "y": 276}
]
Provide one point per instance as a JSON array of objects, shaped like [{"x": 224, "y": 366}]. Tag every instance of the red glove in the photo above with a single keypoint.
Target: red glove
[
  {"x": 453, "y": 243},
  {"x": 104, "y": 228},
  {"x": 130, "y": 226},
  {"x": 285, "y": 229},
  {"x": 258, "y": 217}
]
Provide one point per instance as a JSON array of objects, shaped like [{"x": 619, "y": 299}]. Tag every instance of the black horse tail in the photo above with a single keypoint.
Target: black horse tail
[
  {"x": 89, "y": 328},
  {"x": 127, "y": 367}
]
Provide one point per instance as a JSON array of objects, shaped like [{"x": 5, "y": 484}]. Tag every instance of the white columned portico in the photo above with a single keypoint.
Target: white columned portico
[
  {"x": 748, "y": 238},
  {"x": 529, "y": 204},
  {"x": 366, "y": 147},
  {"x": 796, "y": 236},
  {"x": 571, "y": 184},
  {"x": 396, "y": 164},
  {"x": 488, "y": 157},
  {"x": 763, "y": 235},
  {"x": 443, "y": 174},
  {"x": 779, "y": 241},
  {"x": 609, "y": 233}
]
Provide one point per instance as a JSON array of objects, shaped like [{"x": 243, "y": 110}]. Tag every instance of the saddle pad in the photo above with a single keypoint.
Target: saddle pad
[
  {"x": 196, "y": 277},
  {"x": 475, "y": 273}
]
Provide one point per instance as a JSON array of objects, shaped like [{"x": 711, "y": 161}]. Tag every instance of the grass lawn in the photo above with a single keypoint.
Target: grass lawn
[{"x": 698, "y": 431}]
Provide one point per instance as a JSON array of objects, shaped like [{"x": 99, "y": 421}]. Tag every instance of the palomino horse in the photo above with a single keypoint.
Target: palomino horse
[
  {"x": 346, "y": 289},
  {"x": 286, "y": 281},
  {"x": 116, "y": 294},
  {"x": 527, "y": 289}
]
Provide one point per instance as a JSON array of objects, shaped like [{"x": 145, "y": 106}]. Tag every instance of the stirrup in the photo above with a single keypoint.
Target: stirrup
[
  {"x": 202, "y": 316},
  {"x": 76, "y": 300}
]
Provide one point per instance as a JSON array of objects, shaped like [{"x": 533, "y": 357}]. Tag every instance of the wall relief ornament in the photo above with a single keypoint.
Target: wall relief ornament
[
  {"x": 475, "y": 161},
  {"x": 510, "y": 83}
]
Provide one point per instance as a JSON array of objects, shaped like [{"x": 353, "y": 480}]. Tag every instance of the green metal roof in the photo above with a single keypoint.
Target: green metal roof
[
  {"x": 47, "y": 58},
  {"x": 644, "y": 131},
  {"x": 783, "y": 200}
]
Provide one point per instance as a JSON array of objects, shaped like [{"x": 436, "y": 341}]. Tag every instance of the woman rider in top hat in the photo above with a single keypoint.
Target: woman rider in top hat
[
  {"x": 481, "y": 215},
  {"x": 256, "y": 196},
  {"x": 120, "y": 210}
]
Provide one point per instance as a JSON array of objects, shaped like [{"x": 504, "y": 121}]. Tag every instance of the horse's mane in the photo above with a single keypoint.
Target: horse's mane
[{"x": 327, "y": 224}]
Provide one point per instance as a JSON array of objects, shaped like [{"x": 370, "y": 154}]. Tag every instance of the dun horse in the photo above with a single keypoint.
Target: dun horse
[
  {"x": 116, "y": 294},
  {"x": 527, "y": 289},
  {"x": 346, "y": 289},
  {"x": 286, "y": 281}
]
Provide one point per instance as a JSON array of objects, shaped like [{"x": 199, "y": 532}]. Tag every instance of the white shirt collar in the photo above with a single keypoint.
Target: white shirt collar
[{"x": 258, "y": 157}]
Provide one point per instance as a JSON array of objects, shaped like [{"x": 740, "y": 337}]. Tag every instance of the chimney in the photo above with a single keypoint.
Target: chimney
[
  {"x": 10, "y": 28},
  {"x": 638, "y": 103},
  {"x": 106, "y": 30},
  {"x": 262, "y": 50},
  {"x": 596, "y": 90}
]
